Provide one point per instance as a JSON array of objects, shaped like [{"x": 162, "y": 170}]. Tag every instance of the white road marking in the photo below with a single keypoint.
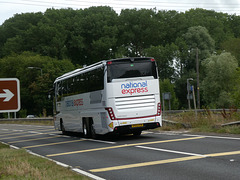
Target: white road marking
[
  {"x": 171, "y": 151},
  {"x": 108, "y": 142},
  {"x": 34, "y": 132}
]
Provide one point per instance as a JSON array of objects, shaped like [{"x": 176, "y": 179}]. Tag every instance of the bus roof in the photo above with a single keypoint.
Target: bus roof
[{"x": 95, "y": 66}]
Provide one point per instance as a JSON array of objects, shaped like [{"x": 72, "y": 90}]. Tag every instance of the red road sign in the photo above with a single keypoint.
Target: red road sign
[{"x": 9, "y": 95}]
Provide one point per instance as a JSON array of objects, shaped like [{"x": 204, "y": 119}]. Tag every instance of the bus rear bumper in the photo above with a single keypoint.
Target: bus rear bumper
[{"x": 133, "y": 128}]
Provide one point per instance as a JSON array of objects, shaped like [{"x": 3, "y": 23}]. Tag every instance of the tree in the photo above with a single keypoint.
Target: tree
[
  {"x": 198, "y": 39},
  {"x": 220, "y": 80},
  {"x": 165, "y": 59},
  {"x": 236, "y": 90},
  {"x": 138, "y": 30},
  {"x": 99, "y": 32},
  {"x": 232, "y": 46},
  {"x": 34, "y": 86},
  {"x": 217, "y": 23},
  {"x": 167, "y": 86},
  {"x": 12, "y": 31}
]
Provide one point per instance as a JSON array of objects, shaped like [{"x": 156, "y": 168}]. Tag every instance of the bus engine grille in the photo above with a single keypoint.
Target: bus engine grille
[{"x": 135, "y": 102}]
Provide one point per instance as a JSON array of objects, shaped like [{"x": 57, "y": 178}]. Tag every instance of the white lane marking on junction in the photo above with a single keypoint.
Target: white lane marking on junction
[
  {"x": 87, "y": 174},
  {"x": 34, "y": 132},
  {"x": 108, "y": 142},
  {"x": 171, "y": 151}
]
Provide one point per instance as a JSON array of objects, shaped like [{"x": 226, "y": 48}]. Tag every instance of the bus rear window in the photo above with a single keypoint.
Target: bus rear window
[{"x": 127, "y": 69}]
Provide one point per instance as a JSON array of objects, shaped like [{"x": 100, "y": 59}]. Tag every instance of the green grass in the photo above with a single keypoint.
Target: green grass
[
  {"x": 204, "y": 122},
  {"x": 18, "y": 164}
]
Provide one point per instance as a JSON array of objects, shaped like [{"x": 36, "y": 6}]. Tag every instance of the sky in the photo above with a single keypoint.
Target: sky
[{"x": 10, "y": 7}]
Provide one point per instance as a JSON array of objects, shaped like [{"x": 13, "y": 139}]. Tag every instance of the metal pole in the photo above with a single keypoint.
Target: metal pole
[
  {"x": 197, "y": 69},
  {"x": 163, "y": 104},
  {"x": 188, "y": 94},
  {"x": 188, "y": 89},
  {"x": 194, "y": 102}
]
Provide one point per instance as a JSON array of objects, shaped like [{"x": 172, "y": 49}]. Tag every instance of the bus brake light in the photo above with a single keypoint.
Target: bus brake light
[
  {"x": 159, "y": 109},
  {"x": 111, "y": 113}
]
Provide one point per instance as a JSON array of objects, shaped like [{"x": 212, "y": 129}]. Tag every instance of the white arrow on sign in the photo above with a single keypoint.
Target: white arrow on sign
[{"x": 7, "y": 95}]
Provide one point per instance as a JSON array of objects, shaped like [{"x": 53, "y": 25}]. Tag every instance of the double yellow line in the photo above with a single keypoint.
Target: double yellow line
[
  {"x": 121, "y": 146},
  {"x": 163, "y": 161}
]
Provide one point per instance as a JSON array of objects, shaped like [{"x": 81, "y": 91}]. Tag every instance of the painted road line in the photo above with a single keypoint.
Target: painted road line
[
  {"x": 171, "y": 151},
  {"x": 223, "y": 154},
  {"x": 216, "y": 137},
  {"x": 16, "y": 133},
  {"x": 125, "y": 145},
  {"x": 164, "y": 161},
  {"x": 9, "y": 133},
  {"x": 12, "y": 134},
  {"x": 34, "y": 139},
  {"x": 92, "y": 176},
  {"x": 107, "y": 142},
  {"x": 87, "y": 174},
  {"x": 24, "y": 136},
  {"x": 146, "y": 164},
  {"x": 50, "y": 144}
]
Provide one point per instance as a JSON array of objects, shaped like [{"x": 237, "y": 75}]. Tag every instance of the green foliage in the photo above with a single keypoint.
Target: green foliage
[
  {"x": 199, "y": 42},
  {"x": 232, "y": 46},
  {"x": 167, "y": 86},
  {"x": 34, "y": 86},
  {"x": 164, "y": 57},
  {"x": 235, "y": 94},
  {"x": 220, "y": 79},
  {"x": 86, "y": 36}
]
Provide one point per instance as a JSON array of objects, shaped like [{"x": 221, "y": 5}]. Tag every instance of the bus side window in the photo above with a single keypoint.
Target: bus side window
[
  {"x": 58, "y": 90},
  {"x": 64, "y": 87}
]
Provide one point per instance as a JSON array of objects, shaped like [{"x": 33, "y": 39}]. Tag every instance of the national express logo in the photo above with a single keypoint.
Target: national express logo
[
  {"x": 133, "y": 88},
  {"x": 74, "y": 103}
]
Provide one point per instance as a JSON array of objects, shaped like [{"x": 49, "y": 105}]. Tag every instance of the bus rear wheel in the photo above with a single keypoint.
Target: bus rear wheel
[
  {"x": 85, "y": 128},
  {"x": 137, "y": 133},
  {"x": 88, "y": 128},
  {"x": 62, "y": 127}
]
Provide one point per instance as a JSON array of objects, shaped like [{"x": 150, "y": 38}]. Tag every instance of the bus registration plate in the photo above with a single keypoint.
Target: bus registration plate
[{"x": 137, "y": 125}]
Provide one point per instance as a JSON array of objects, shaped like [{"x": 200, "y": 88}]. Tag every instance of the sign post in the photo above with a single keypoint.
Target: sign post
[{"x": 9, "y": 95}]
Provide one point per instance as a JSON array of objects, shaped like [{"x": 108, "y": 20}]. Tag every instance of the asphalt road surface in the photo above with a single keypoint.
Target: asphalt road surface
[{"x": 153, "y": 155}]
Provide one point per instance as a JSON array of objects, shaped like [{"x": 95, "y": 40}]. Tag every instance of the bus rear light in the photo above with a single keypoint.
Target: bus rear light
[
  {"x": 159, "y": 109},
  {"x": 111, "y": 113}
]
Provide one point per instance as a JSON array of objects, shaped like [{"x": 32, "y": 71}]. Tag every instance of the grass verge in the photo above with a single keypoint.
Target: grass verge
[
  {"x": 18, "y": 164},
  {"x": 204, "y": 122}
]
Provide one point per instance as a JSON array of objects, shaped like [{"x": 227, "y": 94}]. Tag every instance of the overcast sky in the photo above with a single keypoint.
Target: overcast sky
[{"x": 10, "y": 7}]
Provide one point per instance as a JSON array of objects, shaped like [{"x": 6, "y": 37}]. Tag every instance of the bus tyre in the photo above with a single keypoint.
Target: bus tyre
[
  {"x": 93, "y": 134},
  {"x": 62, "y": 127},
  {"x": 137, "y": 133},
  {"x": 86, "y": 131}
]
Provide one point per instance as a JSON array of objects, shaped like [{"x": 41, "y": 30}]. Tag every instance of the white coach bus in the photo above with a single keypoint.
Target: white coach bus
[{"x": 119, "y": 95}]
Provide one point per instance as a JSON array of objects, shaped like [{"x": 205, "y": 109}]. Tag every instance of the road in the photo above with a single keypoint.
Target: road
[{"x": 153, "y": 155}]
